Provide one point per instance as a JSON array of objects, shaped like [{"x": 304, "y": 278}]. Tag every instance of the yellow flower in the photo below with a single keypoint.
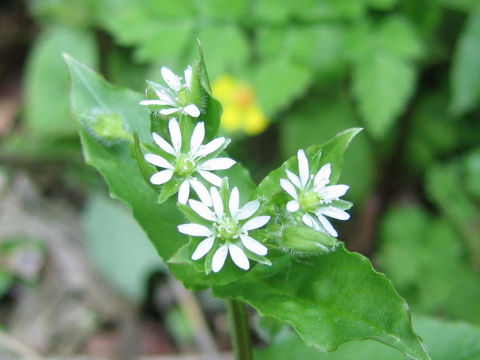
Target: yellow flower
[{"x": 240, "y": 109}]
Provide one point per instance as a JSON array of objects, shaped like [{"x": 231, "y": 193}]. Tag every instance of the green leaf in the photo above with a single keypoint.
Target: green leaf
[
  {"x": 382, "y": 85},
  {"x": 47, "y": 105},
  {"x": 330, "y": 299},
  {"x": 445, "y": 340},
  {"x": 278, "y": 83},
  {"x": 465, "y": 77},
  {"x": 119, "y": 247}
]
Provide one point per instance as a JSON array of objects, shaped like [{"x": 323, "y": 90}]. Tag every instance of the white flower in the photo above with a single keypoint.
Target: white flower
[
  {"x": 188, "y": 160},
  {"x": 176, "y": 98},
  {"x": 312, "y": 197},
  {"x": 228, "y": 230}
]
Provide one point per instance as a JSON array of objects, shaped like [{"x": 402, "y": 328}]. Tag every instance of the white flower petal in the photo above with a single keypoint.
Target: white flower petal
[
  {"x": 157, "y": 160},
  {"x": 234, "y": 201},
  {"x": 192, "y": 110},
  {"x": 201, "y": 191},
  {"x": 294, "y": 179},
  {"x": 335, "y": 191},
  {"x": 289, "y": 188},
  {"x": 217, "y": 201},
  {"x": 175, "y": 134},
  {"x": 203, "y": 248},
  {"x": 322, "y": 177},
  {"x": 218, "y": 164},
  {"x": 198, "y": 135},
  {"x": 172, "y": 80},
  {"x": 210, "y": 147},
  {"x": 188, "y": 77},
  {"x": 154, "y": 102},
  {"x": 165, "y": 97},
  {"x": 303, "y": 169},
  {"x": 211, "y": 178},
  {"x": 184, "y": 192},
  {"x": 201, "y": 210},
  {"x": 335, "y": 213},
  {"x": 161, "y": 177},
  {"x": 194, "y": 230},
  {"x": 248, "y": 210},
  {"x": 255, "y": 223},
  {"x": 293, "y": 206},
  {"x": 163, "y": 144},
  {"x": 239, "y": 257},
  {"x": 253, "y": 245},
  {"x": 326, "y": 225},
  {"x": 309, "y": 221},
  {"x": 169, "y": 111},
  {"x": 219, "y": 258}
]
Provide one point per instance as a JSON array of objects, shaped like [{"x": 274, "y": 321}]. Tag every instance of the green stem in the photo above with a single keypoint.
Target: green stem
[{"x": 239, "y": 330}]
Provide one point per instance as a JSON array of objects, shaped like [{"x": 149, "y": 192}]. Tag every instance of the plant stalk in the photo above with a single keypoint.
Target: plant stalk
[{"x": 239, "y": 332}]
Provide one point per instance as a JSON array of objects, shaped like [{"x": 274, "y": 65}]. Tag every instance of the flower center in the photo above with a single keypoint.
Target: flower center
[
  {"x": 185, "y": 165},
  {"x": 183, "y": 97},
  {"x": 309, "y": 200},
  {"x": 227, "y": 228}
]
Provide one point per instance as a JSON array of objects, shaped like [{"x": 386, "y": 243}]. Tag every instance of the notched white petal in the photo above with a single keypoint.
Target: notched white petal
[
  {"x": 248, "y": 210},
  {"x": 289, "y": 188},
  {"x": 198, "y": 135},
  {"x": 218, "y": 164},
  {"x": 210, "y": 147},
  {"x": 326, "y": 225},
  {"x": 154, "y": 102},
  {"x": 293, "y": 206},
  {"x": 211, "y": 178},
  {"x": 335, "y": 213},
  {"x": 172, "y": 80},
  {"x": 322, "y": 177},
  {"x": 201, "y": 210},
  {"x": 202, "y": 192},
  {"x": 184, "y": 192},
  {"x": 188, "y": 77},
  {"x": 219, "y": 258},
  {"x": 169, "y": 111},
  {"x": 163, "y": 144},
  {"x": 161, "y": 177},
  {"x": 253, "y": 245},
  {"x": 203, "y": 248},
  {"x": 234, "y": 201},
  {"x": 335, "y": 191},
  {"x": 192, "y": 110},
  {"x": 255, "y": 223},
  {"x": 303, "y": 169},
  {"x": 194, "y": 230},
  {"x": 217, "y": 201},
  {"x": 175, "y": 134},
  {"x": 157, "y": 160},
  {"x": 239, "y": 257},
  {"x": 294, "y": 179}
]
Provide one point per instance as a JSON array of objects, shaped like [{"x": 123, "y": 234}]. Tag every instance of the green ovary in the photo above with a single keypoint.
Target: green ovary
[
  {"x": 309, "y": 201},
  {"x": 227, "y": 229},
  {"x": 185, "y": 165}
]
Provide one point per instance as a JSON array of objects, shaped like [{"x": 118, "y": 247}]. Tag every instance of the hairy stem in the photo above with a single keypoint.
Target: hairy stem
[{"x": 239, "y": 330}]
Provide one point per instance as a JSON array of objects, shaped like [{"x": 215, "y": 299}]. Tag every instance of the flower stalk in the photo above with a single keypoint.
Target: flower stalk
[{"x": 239, "y": 331}]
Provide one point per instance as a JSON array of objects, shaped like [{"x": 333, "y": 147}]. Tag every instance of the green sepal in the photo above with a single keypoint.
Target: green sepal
[
  {"x": 211, "y": 109},
  {"x": 170, "y": 188},
  {"x": 145, "y": 168},
  {"x": 305, "y": 241}
]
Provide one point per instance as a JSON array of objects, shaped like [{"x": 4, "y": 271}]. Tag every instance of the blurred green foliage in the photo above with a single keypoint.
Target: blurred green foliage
[{"x": 406, "y": 70}]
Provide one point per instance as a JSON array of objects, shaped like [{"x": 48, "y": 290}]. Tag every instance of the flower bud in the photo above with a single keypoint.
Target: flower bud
[{"x": 305, "y": 241}]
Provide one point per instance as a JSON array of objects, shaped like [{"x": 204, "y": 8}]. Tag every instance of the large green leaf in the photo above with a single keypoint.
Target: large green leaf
[
  {"x": 47, "y": 109},
  {"x": 445, "y": 340},
  {"x": 330, "y": 299},
  {"x": 465, "y": 77}
]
